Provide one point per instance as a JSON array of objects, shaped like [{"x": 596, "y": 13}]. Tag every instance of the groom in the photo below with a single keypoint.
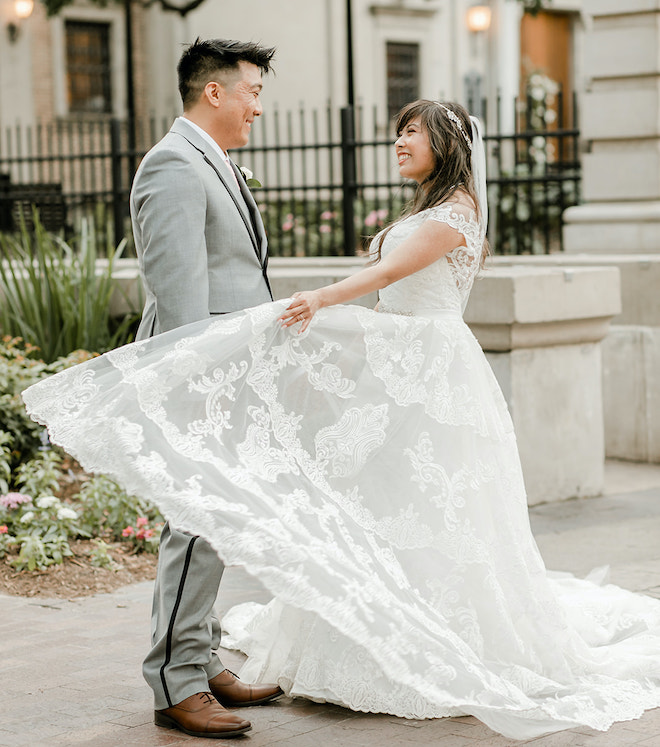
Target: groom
[{"x": 202, "y": 250}]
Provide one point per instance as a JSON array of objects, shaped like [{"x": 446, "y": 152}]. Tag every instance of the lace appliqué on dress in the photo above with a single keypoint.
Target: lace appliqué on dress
[
  {"x": 445, "y": 284},
  {"x": 464, "y": 261}
]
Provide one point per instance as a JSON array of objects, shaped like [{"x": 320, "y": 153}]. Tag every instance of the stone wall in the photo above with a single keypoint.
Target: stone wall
[
  {"x": 619, "y": 222},
  {"x": 630, "y": 350},
  {"x": 620, "y": 124}
]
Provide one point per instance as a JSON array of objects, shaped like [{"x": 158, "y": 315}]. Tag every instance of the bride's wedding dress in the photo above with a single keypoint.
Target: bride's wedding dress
[{"x": 366, "y": 472}]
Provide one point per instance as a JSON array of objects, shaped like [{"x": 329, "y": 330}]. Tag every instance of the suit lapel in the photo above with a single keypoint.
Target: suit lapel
[
  {"x": 235, "y": 192},
  {"x": 253, "y": 208},
  {"x": 238, "y": 201}
]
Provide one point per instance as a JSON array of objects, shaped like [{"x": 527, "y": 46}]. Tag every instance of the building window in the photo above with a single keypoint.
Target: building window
[
  {"x": 88, "y": 67},
  {"x": 402, "y": 75}
]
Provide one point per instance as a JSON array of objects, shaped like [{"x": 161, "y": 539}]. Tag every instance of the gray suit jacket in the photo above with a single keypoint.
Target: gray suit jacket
[{"x": 199, "y": 237}]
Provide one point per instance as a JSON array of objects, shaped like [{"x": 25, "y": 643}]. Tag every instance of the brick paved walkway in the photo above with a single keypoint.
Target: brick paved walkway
[{"x": 70, "y": 670}]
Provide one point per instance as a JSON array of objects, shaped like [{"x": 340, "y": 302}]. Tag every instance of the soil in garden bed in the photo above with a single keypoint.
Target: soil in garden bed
[{"x": 77, "y": 577}]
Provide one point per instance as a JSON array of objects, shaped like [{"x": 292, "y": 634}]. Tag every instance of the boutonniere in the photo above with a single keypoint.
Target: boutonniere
[{"x": 249, "y": 177}]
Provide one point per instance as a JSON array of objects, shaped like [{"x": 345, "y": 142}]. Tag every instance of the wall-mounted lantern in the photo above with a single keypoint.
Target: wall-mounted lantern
[
  {"x": 478, "y": 18},
  {"x": 22, "y": 9}
]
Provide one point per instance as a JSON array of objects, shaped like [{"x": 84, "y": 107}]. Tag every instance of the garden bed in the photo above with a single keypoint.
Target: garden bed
[{"x": 76, "y": 576}]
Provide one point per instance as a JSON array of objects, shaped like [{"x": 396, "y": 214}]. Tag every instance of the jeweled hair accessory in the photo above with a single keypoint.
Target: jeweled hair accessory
[{"x": 455, "y": 119}]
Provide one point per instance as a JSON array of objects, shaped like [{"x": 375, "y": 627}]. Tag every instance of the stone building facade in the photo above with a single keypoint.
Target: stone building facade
[{"x": 401, "y": 48}]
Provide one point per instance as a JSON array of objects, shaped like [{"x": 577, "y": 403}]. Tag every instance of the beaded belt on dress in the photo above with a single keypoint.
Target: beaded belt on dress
[{"x": 448, "y": 314}]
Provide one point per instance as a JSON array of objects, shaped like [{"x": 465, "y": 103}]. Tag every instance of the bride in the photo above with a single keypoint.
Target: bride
[{"x": 362, "y": 464}]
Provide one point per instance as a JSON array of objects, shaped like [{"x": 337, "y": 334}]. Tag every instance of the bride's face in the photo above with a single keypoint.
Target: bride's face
[{"x": 413, "y": 152}]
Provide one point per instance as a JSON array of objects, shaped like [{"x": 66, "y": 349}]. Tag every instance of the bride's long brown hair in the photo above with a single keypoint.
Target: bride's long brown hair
[{"x": 452, "y": 156}]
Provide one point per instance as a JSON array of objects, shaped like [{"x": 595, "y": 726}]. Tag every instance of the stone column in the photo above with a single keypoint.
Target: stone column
[
  {"x": 620, "y": 123},
  {"x": 619, "y": 222},
  {"x": 631, "y": 351},
  {"x": 541, "y": 329},
  {"x": 504, "y": 73}
]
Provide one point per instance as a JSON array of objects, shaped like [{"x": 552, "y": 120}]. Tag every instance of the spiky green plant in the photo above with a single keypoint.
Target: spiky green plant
[{"x": 55, "y": 294}]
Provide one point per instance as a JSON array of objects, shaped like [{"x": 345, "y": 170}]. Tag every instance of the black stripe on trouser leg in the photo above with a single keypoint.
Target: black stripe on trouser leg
[{"x": 170, "y": 628}]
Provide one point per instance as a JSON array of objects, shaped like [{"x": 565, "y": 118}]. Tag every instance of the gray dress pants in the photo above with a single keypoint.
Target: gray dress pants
[{"x": 185, "y": 632}]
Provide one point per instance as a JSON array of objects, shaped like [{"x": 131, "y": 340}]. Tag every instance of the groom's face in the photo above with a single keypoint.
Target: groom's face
[{"x": 239, "y": 105}]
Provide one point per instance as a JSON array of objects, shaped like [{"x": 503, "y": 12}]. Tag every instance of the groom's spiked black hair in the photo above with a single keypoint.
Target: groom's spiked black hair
[{"x": 204, "y": 59}]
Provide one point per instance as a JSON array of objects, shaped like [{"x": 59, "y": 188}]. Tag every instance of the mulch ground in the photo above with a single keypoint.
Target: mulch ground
[{"x": 77, "y": 577}]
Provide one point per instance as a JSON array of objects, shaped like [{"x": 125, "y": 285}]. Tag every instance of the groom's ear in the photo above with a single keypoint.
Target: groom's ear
[{"x": 214, "y": 93}]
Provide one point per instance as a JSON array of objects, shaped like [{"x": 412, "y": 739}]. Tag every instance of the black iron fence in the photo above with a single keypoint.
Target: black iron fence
[
  {"x": 328, "y": 179},
  {"x": 68, "y": 170}
]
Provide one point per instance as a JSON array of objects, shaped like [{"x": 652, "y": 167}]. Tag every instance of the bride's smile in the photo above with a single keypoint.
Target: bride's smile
[{"x": 414, "y": 153}]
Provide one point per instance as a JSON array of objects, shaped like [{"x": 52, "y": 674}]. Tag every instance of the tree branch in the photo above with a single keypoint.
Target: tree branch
[
  {"x": 533, "y": 6},
  {"x": 182, "y": 11},
  {"x": 53, "y": 7}
]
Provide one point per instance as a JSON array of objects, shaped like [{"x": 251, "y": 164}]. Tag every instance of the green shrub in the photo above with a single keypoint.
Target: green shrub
[
  {"x": 37, "y": 526},
  {"x": 19, "y": 368},
  {"x": 100, "y": 557},
  {"x": 110, "y": 511},
  {"x": 41, "y": 475},
  {"x": 54, "y": 296},
  {"x": 5, "y": 460},
  {"x": 41, "y": 529}
]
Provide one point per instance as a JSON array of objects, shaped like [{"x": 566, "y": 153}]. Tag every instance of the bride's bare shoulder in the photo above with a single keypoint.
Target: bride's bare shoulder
[
  {"x": 459, "y": 203},
  {"x": 462, "y": 201}
]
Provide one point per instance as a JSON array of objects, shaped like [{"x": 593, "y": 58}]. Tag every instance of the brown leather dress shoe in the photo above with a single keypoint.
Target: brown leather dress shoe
[
  {"x": 233, "y": 693},
  {"x": 201, "y": 715}
]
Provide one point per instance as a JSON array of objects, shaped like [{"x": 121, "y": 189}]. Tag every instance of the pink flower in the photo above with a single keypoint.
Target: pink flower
[
  {"x": 328, "y": 215},
  {"x": 14, "y": 500},
  {"x": 4, "y": 529},
  {"x": 141, "y": 521},
  {"x": 149, "y": 533},
  {"x": 140, "y": 534},
  {"x": 128, "y": 532},
  {"x": 325, "y": 229},
  {"x": 376, "y": 217}
]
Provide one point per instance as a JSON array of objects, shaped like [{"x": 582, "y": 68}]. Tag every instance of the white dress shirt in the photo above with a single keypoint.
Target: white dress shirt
[{"x": 223, "y": 155}]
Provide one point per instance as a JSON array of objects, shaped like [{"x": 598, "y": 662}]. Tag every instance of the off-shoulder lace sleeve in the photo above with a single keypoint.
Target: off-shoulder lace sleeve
[
  {"x": 465, "y": 260},
  {"x": 460, "y": 217}
]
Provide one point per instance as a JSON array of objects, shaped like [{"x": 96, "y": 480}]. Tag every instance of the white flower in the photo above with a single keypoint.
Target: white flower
[
  {"x": 46, "y": 501},
  {"x": 506, "y": 203},
  {"x": 537, "y": 93},
  {"x": 27, "y": 517},
  {"x": 66, "y": 513},
  {"x": 249, "y": 178},
  {"x": 522, "y": 212},
  {"x": 538, "y": 155}
]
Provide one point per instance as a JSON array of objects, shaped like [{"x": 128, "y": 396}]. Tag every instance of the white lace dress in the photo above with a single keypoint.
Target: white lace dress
[{"x": 366, "y": 472}]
